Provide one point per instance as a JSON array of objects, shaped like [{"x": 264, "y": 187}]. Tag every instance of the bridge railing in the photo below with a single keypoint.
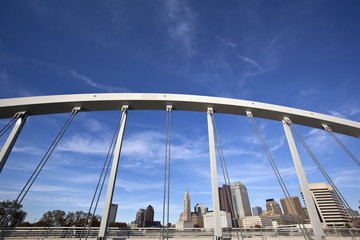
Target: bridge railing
[{"x": 156, "y": 233}]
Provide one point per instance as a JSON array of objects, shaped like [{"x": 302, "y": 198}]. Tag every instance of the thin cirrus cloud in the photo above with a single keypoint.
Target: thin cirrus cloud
[
  {"x": 252, "y": 62},
  {"x": 226, "y": 42},
  {"x": 181, "y": 24},
  {"x": 96, "y": 85}
]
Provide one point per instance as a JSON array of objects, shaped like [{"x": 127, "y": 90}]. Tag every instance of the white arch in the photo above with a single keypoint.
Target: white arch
[{"x": 157, "y": 101}]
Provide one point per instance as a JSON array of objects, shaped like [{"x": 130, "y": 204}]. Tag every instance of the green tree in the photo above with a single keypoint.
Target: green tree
[
  {"x": 118, "y": 224},
  {"x": 77, "y": 218},
  {"x": 17, "y": 215},
  {"x": 54, "y": 218}
]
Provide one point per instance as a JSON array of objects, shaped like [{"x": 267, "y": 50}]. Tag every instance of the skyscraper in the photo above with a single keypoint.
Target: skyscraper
[
  {"x": 224, "y": 198},
  {"x": 186, "y": 220},
  {"x": 272, "y": 206},
  {"x": 256, "y": 210},
  {"x": 292, "y": 204},
  {"x": 139, "y": 221},
  {"x": 241, "y": 199},
  {"x": 149, "y": 217},
  {"x": 328, "y": 204}
]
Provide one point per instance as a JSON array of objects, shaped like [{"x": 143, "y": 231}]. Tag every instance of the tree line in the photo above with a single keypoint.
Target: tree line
[{"x": 54, "y": 218}]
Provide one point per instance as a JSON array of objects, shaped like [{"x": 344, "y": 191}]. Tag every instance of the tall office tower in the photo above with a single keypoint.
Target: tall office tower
[
  {"x": 292, "y": 204},
  {"x": 113, "y": 211},
  {"x": 186, "y": 220},
  {"x": 149, "y": 217},
  {"x": 272, "y": 206},
  {"x": 200, "y": 209},
  {"x": 328, "y": 204},
  {"x": 139, "y": 221},
  {"x": 241, "y": 199},
  {"x": 256, "y": 210},
  {"x": 187, "y": 209},
  {"x": 224, "y": 200}
]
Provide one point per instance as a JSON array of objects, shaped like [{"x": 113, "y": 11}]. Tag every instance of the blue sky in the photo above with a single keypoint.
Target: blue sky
[{"x": 302, "y": 54}]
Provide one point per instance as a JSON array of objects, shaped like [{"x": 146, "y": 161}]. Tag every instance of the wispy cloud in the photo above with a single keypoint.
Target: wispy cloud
[
  {"x": 138, "y": 186},
  {"x": 96, "y": 85},
  {"x": 182, "y": 24},
  {"x": 84, "y": 144},
  {"x": 251, "y": 62},
  {"x": 306, "y": 92},
  {"x": 4, "y": 76},
  {"x": 273, "y": 41},
  {"x": 28, "y": 150},
  {"x": 347, "y": 178},
  {"x": 85, "y": 79},
  {"x": 227, "y": 43}
]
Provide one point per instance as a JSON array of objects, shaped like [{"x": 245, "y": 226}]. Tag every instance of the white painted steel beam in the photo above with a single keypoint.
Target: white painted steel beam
[
  {"x": 214, "y": 179},
  {"x": 112, "y": 178},
  {"x": 310, "y": 205},
  {"x": 10, "y": 142},
  {"x": 156, "y": 101}
]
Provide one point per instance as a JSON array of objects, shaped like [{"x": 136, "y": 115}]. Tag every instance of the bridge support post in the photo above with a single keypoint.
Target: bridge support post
[
  {"x": 314, "y": 217},
  {"x": 112, "y": 178},
  {"x": 214, "y": 182},
  {"x": 10, "y": 142}
]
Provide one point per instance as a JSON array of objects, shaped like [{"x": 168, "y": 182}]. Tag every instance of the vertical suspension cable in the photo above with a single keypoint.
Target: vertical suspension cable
[
  {"x": 123, "y": 109},
  {"x": 165, "y": 171},
  {"x": 278, "y": 176},
  {"x": 167, "y": 174},
  {"x": 226, "y": 179},
  {"x": 107, "y": 160},
  {"x": 35, "y": 174},
  {"x": 97, "y": 201},
  {"x": 327, "y": 177},
  {"x": 169, "y": 109}
]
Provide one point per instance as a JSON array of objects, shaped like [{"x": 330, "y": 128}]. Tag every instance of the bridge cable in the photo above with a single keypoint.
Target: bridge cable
[
  {"x": 102, "y": 185},
  {"x": 167, "y": 171},
  {"x": 327, "y": 177},
  {"x": 7, "y": 126},
  {"x": 227, "y": 181},
  {"x": 105, "y": 166},
  {"x": 328, "y": 129},
  {"x": 7, "y": 216},
  {"x": 279, "y": 178}
]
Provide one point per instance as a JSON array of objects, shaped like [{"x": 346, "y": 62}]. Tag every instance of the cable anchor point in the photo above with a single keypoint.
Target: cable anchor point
[
  {"x": 249, "y": 114},
  {"x": 326, "y": 127}
]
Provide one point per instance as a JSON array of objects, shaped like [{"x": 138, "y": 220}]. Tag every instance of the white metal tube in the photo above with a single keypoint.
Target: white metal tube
[
  {"x": 314, "y": 218},
  {"x": 112, "y": 178},
  {"x": 10, "y": 142},
  {"x": 214, "y": 182}
]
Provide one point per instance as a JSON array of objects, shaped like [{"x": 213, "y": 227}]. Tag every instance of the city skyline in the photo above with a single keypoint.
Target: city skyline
[{"x": 301, "y": 54}]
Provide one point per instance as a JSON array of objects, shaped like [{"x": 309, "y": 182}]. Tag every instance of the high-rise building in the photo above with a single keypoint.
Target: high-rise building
[
  {"x": 113, "y": 211},
  {"x": 256, "y": 210},
  {"x": 328, "y": 204},
  {"x": 292, "y": 204},
  {"x": 241, "y": 199},
  {"x": 200, "y": 209},
  {"x": 272, "y": 207},
  {"x": 185, "y": 221},
  {"x": 225, "y": 198},
  {"x": 149, "y": 217},
  {"x": 139, "y": 221}
]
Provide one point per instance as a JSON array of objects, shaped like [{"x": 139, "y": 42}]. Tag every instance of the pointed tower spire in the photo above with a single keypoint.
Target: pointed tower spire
[{"x": 187, "y": 209}]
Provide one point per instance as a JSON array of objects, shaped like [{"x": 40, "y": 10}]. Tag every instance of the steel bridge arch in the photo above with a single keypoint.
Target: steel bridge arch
[{"x": 157, "y": 101}]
